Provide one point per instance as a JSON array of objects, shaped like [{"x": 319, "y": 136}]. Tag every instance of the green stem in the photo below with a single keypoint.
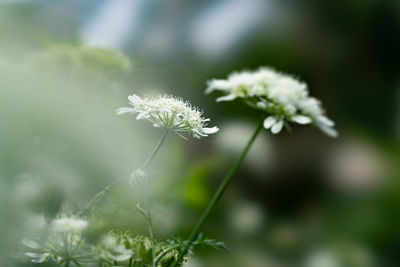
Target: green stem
[
  {"x": 150, "y": 229},
  {"x": 218, "y": 194},
  {"x": 155, "y": 150},
  {"x": 99, "y": 196},
  {"x": 163, "y": 253},
  {"x": 146, "y": 202}
]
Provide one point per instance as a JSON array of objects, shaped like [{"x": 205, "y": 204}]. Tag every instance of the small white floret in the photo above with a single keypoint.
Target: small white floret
[
  {"x": 300, "y": 119},
  {"x": 268, "y": 122},
  {"x": 277, "y": 127}
]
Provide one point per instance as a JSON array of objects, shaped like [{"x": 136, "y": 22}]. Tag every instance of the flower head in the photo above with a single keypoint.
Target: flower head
[
  {"x": 170, "y": 113},
  {"x": 63, "y": 243},
  {"x": 283, "y": 97}
]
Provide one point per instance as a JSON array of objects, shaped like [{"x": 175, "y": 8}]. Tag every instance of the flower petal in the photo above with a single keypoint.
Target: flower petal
[
  {"x": 122, "y": 257},
  {"x": 268, "y": 122},
  {"x": 301, "y": 119},
  {"x": 41, "y": 259},
  {"x": 277, "y": 127},
  {"x": 134, "y": 99},
  {"x": 124, "y": 110},
  {"x": 229, "y": 97},
  {"x": 324, "y": 120},
  {"x": 262, "y": 104},
  {"x": 329, "y": 131},
  {"x": 141, "y": 115},
  {"x": 31, "y": 244},
  {"x": 217, "y": 85},
  {"x": 210, "y": 130}
]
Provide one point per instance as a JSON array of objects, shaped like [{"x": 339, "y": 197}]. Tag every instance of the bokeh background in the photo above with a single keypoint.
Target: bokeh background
[{"x": 299, "y": 199}]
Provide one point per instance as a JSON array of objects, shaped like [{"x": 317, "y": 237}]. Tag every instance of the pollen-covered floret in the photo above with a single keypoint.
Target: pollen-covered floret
[
  {"x": 170, "y": 113},
  {"x": 283, "y": 97}
]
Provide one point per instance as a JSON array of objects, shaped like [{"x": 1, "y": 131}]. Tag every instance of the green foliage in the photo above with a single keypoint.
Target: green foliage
[
  {"x": 201, "y": 241},
  {"x": 79, "y": 65},
  {"x": 81, "y": 58}
]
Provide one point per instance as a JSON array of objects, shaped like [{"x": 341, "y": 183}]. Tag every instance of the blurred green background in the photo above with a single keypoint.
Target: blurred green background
[{"x": 299, "y": 199}]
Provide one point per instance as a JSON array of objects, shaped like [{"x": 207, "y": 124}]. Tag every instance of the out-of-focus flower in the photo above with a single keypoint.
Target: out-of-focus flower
[
  {"x": 341, "y": 254},
  {"x": 246, "y": 218},
  {"x": 112, "y": 249},
  {"x": 322, "y": 258},
  {"x": 63, "y": 244},
  {"x": 69, "y": 224},
  {"x": 138, "y": 179},
  {"x": 170, "y": 113},
  {"x": 283, "y": 97},
  {"x": 230, "y": 141},
  {"x": 357, "y": 166}
]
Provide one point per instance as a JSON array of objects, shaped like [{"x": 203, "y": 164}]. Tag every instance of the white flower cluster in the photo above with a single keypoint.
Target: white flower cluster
[
  {"x": 69, "y": 225},
  {"x": 283, "y": 97},
  {"x": 63, "y": 243},
  {"x": 170, "y": 113}
]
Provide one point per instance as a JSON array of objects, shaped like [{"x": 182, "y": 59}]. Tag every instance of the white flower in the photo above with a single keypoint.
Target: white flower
[
  {"x": 69, "y": 225},
  {"x": 285, "y": 98},
  {"x": 114, "y": 249},
  {"x": 170, "y": 113}
]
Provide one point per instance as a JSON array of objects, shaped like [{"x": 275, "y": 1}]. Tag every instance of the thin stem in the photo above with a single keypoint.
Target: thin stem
[
  {"x": 99, "y": 196},
  {"x": 146, "y": 202},
  {"x": 218, "y": 194},
  {"x": 155, "y": 150},
  {"x": 149, "y": 225}
]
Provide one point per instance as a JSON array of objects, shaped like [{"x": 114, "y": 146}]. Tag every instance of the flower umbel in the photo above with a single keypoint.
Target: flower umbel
[
  {"x": 283, "y": 97},
  {"x": 63, "y": 243},
  {"x": 170, "y": 113}
]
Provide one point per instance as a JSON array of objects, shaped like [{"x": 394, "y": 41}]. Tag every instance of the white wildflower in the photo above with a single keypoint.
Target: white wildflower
[
  {"x": 285, "y": 98},
  {"x": 63, "y": 244},
  {"x": 69, "y": 224},
  {"x": 170, "y": 113}
]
